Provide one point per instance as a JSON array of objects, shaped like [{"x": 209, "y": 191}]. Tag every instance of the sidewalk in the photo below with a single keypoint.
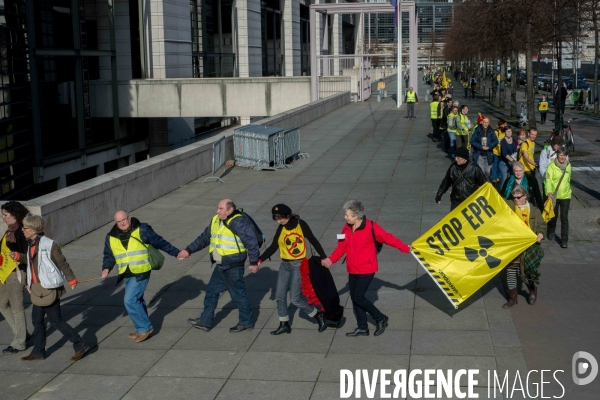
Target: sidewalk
[{"x": 363, "y": 151}]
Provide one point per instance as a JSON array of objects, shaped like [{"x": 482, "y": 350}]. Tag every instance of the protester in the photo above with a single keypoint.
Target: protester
[
  {"x": 518, "y": 178},
  {"x": 482, "y": 142},
  {"x": 126, "y": 245},
  {"x": 231, "y": 240},
  {"x": 543, "y": 109},
  {"x": 359, "y": 242},
  {"x": 411, "y": 98},
  {"x": 465, "y": 126},
  {"x": 548, "y": 155},
  {"x": 463, "y": 177},
  {"x": 466, "y": 88},
  {"x": 436, "y": 115},
  {"x": 453, "y": 125},
  {"x": 291, "y": 239},
  {"x": 508, "y": 155},
  {"x": 499, "y": 131},
  {"x": 381, "y": 87},
  {"x": 557, "y": 185},
  {"x": 532, "y": 217},
  {"x": 526, "y": 153},
  {"x": 473, "y": 87},
  {"x": 446, "y": 111},
  {"x": 47, "y": 270},
  {"x": 11, "y": 290}
]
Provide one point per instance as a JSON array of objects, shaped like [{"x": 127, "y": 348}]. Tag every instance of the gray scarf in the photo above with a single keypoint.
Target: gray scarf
[{"x": 561, "y": 166}]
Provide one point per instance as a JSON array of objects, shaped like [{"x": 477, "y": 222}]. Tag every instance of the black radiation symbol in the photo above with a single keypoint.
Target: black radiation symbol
[
  {"x": 485, "y": 244},
  {"x": 293, "y": 245}
]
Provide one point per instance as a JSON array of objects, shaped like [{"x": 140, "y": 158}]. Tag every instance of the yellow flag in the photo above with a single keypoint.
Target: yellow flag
[
  {"x": 7, "y": 264},
  {"x": 445, "y": 81},
  {"x": 472, "y": 244},
  {"x": 548, "y": 212}
]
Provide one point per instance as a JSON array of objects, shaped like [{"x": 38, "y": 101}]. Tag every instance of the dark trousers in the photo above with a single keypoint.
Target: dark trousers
[
  {"x": 359, "y": 283},
  {"x": 435, "y": 124},
  {"x": 561, "y": 209},
  {"x": 543, "y": 117},
  {"x": 535, "y": 187},
  {"x": 57, "y": 321},
  {"x": 232, "y": 280},
  {"x": 466, "y": 93}
]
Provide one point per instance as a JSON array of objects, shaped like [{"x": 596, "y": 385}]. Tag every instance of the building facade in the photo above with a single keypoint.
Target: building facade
[{"x": 56, "y": 53}]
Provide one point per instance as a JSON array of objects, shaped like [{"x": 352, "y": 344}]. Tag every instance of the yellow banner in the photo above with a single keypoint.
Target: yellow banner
[
  {"x": 471, "y": 244},
  {"x": 7, "y": 264}
]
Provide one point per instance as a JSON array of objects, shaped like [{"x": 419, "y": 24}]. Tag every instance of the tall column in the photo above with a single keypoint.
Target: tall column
[
  {"x": 413, "y": 49},
  {"x": 338, "y": 42},
  {"x": 249, "y": 38},
  {"x": 291, "y": 27}
]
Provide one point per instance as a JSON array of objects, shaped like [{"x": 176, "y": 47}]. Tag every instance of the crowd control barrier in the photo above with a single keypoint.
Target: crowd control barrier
[
  {"x": 266, "y": 147},
  {"x": 218, "y": 159}
]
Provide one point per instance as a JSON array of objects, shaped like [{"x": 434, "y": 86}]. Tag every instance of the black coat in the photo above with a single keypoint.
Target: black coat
[
  {"x": 324, "y": 286},
  {"x": 462, "y": 186},
  {"x": 20, "y": 246}
]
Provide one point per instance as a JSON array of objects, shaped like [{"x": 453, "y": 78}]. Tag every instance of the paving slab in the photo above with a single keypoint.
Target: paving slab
[
  {"x": 176, "y": 388},
  {"x": 259, "y": 390},
  {"x": 78, "y": 386},
  {"x": 196, "y": 363}
]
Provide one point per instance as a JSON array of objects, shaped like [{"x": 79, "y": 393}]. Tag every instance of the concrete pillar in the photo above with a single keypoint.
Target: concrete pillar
[
  {"x": 100, "y": 169},
  {"x": 291, "y": 31},
  {"x": 249, "y": 38},
  {"x": 244, "y": 121},
  {"x": 131, "y": 159},
  {"x": 158, "y": 136},
  {"x": 338, "y": 42},
  {"x": 413, "y": 49}
]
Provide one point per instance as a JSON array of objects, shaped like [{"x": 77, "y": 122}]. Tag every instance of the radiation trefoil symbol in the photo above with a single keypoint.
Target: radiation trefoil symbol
[{"x": 485, "y": 244}]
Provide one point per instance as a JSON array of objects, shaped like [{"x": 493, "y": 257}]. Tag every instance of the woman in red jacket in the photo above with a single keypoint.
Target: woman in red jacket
[{"x": 357, "y": 242}]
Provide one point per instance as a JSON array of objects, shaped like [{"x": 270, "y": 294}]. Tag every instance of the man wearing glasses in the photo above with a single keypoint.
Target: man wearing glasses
[{"x": 127, "y": 246}]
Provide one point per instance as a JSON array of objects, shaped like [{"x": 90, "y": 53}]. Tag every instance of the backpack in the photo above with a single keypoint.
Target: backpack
[
  {"x": 378, "y": 245},
  {"x": 258, "y": 233}
]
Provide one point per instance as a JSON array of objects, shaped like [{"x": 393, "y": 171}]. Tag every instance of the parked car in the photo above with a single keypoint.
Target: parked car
[
  {"x": 581, "y": 84},
  {"x": 579, "y": 76}
]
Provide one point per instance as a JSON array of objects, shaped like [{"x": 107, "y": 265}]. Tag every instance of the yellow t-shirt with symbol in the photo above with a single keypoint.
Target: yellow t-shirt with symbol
[
  {"x": 7, "y": 264},
  {"x": 292, "y": 244}
]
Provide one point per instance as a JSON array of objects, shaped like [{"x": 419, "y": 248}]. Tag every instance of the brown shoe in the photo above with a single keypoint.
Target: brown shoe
[
  {"x": 532, "y": 293},
  {"x": 132, "y": 335},
  {"x": 31, "y": 357},
  {"x": 80, "y": 353},
  {"x": 143, "y": 336},
  {"x": 512, "y": 298}
]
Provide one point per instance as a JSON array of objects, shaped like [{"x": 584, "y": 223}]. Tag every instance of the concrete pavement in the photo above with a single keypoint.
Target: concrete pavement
[{"x": 365, "y": 151}]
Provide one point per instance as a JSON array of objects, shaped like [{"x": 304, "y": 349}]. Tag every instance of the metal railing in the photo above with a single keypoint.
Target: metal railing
[
  {"x": 266, "y": 147},
  {"x": 330, "y": 85},
  {"x": 218, "y": 159}
]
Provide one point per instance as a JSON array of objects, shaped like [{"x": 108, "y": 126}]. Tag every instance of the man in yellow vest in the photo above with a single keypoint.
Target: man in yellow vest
[
  {"x": 436, "y": 117},
  {"x": 230, "y": 239},
  {"x": 410, "y": 98},
  {"x": 126, "y": 245}
]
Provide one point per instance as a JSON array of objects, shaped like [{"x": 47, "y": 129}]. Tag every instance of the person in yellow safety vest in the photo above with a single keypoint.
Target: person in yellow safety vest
[
  {"x": 496, "y": 175},
  {"x": 436, "y": 115},
  {"x": 410, "y": 98},
  {"x": 453, "y": 123},
  {"x": 381, "y": 87},
  {"x": 465, "y": 126},
  {"x": 466, "y": 88},
  {"x": 543, "y": 108},
  {"x": 126, "y": 245},
  {"x": 231, "y": 240}
]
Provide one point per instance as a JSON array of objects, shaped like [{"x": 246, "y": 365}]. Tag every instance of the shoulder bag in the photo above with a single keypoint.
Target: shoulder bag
[
  {"x": 41, "y": 296},
  {"x": 155, "y": 257}
]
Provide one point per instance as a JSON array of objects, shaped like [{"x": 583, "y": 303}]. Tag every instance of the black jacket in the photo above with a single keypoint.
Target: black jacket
[
  {"x": 19, "y": 246},
  {"x": 308, "y": 235},
  {"x": 462, "y": 186}
]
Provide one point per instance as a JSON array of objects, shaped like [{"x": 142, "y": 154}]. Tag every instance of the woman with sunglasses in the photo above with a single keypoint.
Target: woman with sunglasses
[
  {"x": 532, "y": 217},
  {"x": 290, "y": 238}
]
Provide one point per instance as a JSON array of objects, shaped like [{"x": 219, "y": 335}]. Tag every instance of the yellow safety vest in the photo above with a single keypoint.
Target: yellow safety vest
[
  {"x": 434, "y": 107},
  {"x": 223, "y": 239},
  {"x": 410, "y": 97},
  {"x": 500, "y": 135},
  {"x": 292, "y": 244},
  {"x": 543, "y": 106},
  {"x": 463, "y": 125},
  {"x": 135, "y": 256}
]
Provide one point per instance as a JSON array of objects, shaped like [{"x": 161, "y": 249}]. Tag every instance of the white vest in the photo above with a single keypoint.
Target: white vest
[{"x": 49, "y": 276}]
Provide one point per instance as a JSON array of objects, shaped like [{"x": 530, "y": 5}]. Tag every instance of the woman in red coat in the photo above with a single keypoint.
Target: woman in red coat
[{"x": 357, "y": 242}]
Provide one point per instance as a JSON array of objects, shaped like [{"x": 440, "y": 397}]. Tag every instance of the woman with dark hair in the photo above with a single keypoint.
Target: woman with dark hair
[
  {"x": 359, "y": 241},
  {"x": 13, "y": 264},
  {"x": 290, "y": 238}
]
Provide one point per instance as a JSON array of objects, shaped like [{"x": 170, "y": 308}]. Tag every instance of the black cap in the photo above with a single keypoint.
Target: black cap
[
  {"x": 281, "y": 209},
  {"x": 462, "y": 152}
]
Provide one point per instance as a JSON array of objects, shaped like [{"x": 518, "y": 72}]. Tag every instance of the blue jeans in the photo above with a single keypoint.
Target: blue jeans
[
  {"x": 496, "y": 168},
  {"x": 289, "y": 278},
  {"x": 232, "y": 280},
  {"x": 452, "y": 136},
  {"x": 505, "y": 171},
  {"x": 135, "y": 303},
  {"x": 381, "y": 93},
  {"x": 466, "y": 92}
]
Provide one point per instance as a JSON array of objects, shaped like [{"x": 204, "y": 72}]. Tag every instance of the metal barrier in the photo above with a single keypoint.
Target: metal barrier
[
  {"x": 218, "y": 158},
  {"x": 266, "y": 147}
]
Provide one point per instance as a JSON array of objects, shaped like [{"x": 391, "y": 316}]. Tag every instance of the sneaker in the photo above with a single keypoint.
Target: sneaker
[
  {"x": 195, "y": 322},
  {"x": 240, "y": 328}
]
